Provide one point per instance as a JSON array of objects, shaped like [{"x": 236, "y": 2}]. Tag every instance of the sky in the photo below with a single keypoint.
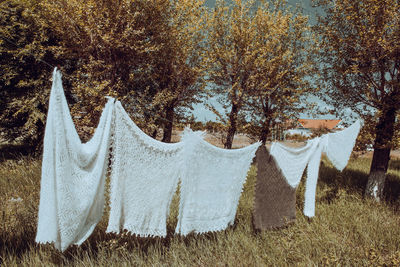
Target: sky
[{"x": 203, "y": 114}]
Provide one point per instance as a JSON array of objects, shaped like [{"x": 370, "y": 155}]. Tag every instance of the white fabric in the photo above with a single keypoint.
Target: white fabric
[
  {"x": 312, "y": 178},
  {"x": 144, "y": 177},
  {"x": 73, "y": 174},
  {"x": 340, "y": 145},
  {"x": 292, "y": 161},
  {"x": 211, "y": 184}
]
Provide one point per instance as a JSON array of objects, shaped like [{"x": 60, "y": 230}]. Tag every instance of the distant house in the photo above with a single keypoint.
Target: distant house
[
  {"x": 304, "y": 127},
  {"x": 316, "y": 124}
]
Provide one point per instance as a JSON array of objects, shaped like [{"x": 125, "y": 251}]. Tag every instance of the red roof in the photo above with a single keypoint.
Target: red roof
[{"x": 315, "y": 124}]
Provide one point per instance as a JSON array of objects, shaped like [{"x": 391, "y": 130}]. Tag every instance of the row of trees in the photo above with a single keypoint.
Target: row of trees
[
  {"x": 157, "y": 56},
  {"x": 259, "y": 59}
]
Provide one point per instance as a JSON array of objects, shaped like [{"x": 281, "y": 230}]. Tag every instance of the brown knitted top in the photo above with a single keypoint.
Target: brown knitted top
[{"x": 275, "y": 199}]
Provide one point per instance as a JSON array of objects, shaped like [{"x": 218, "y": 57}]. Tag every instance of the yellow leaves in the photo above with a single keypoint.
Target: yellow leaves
[{"x": 258, "y": 53}]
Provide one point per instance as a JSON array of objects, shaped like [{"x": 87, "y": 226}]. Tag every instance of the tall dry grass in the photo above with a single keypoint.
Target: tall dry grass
[{"x": 347, "y": 229}]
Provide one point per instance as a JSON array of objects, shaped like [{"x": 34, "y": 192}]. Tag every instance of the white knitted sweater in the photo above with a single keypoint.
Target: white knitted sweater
[
  {"x": 144, "y": 177},
  {"x": 73, "y": 174},
  {"x": 212, "y": 182}
]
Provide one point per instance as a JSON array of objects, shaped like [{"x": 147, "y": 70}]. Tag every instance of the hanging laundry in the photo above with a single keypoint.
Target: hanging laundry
[
  {"x": 275, "y": 199},
  {"x": 211, "y": 184},
  {"x": 292, "y": 161},
  {"x": 144, "y": 177},
  {"x": 73, "y": 174}
]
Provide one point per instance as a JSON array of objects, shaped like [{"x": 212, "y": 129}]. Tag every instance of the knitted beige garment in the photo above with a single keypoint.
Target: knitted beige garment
[
  {"x": 275, "y": 199},
  {"x": 73, "y": 174},
  {"x": 144, "y": 177},
  {"x": 211, "y": 184}
]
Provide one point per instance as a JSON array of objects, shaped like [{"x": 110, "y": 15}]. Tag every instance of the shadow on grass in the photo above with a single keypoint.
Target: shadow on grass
[
  {"x": 100, "y": 243},
  {"x": 354, "y": 181},
  {"x": 15, "y": 152},
  {"x": 16, "y": 242}
]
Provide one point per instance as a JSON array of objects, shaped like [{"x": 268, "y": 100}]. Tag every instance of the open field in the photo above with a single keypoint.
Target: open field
[{"x": 347, "y": 229}]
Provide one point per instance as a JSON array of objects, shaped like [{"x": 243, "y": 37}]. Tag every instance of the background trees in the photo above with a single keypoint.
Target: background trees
[
  {"x": 25, "y": 74},
  {"x": 230, "y": 58},
  {"x": 145, "y": 52},
  {"x": 283, "y": 59},
  {"x": 258, "y": 58},
  {"x": 112, "y": 44},
  {"x": 360, "y": 68}
]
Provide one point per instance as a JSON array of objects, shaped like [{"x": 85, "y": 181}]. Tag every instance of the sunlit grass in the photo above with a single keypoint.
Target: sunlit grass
[{"x": 347, "y": 229}]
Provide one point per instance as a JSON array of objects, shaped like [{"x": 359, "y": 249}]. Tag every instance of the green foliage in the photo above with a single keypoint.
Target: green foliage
[
  {"x": 25, "y": 75},
  {"x": 319, "y": 131},
  {"x": 366, "y": 136},
  {"x": 359, "y": 58},
  {"x": 213, "y": 126},
  {"x": 258, "y": 60},
  {"x": 297, "y": 137},
  {"x": 195, "y": 125},
  {"x": 369, "y": 230},
  {"x": 360, "y": 69},
  {"x": 146, "y": 53}
]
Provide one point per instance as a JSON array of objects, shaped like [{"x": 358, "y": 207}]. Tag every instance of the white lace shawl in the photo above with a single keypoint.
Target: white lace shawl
[
  {"x": 73, "y": 174},
  {"x": 292, "y": 161},
  {"x": 144, "y": 177},
  {"x": 211, "y": 184}
]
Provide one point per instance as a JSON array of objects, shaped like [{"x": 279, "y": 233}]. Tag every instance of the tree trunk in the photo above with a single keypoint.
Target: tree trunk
[
  {"x": 154, "y": 134},
  {"x": 381, "y": 157},
  {"x": 169, "y": 116},
  {"x": 265, "y": 131},
  {"x": 232, "y": 126}
]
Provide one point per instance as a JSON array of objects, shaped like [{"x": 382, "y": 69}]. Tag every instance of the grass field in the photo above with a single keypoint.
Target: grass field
[{"x": 347, "y": 229}]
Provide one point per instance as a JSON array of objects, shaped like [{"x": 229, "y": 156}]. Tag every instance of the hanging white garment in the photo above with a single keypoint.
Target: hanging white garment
[
  {"x": 339, "y": 145},
  {"x": 73, "y": 174},
  {"x": 211, "y": 184},
  {"x": 144, "y": 177},
  {"x": 292, "y": 161}
]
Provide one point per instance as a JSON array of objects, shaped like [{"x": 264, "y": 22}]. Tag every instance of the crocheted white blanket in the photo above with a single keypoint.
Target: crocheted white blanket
[
  {"x": 144, "y": 177},
  {"x": 292, "y": 161},
  {"x": 211, "y": 184},
  {"x": 73, "y": 174}
]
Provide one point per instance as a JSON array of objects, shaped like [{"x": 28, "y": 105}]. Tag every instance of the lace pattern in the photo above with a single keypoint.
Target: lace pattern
[
  {"x": 144, "y": 177},
  {"x": 73, "y": 174},
  {"x": 212, "y": 182}
]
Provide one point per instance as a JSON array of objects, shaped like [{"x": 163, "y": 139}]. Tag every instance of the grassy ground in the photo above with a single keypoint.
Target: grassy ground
[{"x": 347, "y": 229}]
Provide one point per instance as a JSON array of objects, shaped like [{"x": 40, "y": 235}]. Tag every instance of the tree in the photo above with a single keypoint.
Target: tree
[
  {"x": 257, "y": 58},
  {"x": 360, "y": 69},
  {"x": 112, "y": 43},
  {"x": 144, "y": 52},
  {"x": 25, "y": 61},
  {"x": 283, "y": 59},
  {"x": 229, "y": 62},
  {"x": 179, "y": 70}
]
